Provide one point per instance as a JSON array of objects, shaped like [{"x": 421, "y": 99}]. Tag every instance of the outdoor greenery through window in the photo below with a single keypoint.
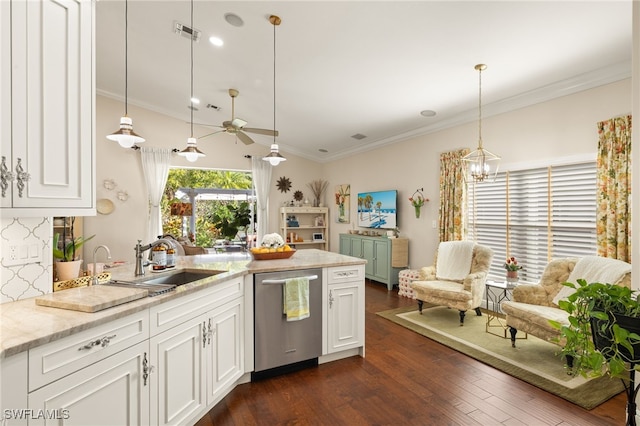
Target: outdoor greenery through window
[
  {"x": 549, "y": 212},
  {"x": 224, "y": 204}
]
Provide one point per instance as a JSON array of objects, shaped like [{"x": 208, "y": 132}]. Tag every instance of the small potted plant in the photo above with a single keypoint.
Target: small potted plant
[
  {"x": 512, "y": 267},
  {"x": 603, "y": 334},
  {"x": 66, "y": 253}
]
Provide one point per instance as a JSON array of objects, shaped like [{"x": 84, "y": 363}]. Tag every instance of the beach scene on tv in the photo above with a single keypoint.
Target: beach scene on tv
[{"x": 377, "y": 209}]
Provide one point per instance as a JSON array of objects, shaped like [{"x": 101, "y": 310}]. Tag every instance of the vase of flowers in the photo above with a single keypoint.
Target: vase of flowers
[
  {"x": 512, "y": 267},
  {"x": 417, "y": 202}
]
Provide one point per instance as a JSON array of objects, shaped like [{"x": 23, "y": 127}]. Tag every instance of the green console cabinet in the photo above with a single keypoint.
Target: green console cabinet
[{"x": 385, "y": 257}]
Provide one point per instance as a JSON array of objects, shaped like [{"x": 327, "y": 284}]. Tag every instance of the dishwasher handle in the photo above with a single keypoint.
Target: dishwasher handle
[{"x": 282, "y": 281}]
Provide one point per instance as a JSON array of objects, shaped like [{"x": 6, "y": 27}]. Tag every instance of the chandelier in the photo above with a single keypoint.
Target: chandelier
[{"x": 482, "y": 165}]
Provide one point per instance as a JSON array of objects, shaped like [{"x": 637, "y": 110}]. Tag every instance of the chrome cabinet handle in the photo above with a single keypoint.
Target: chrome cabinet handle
[
  {"x": 146, "y": 369},
  {"x": 104, "y": 342},
  {"x": 6, "y": 176},
  {"x": 204, "y": 334},
  {"x": 210, "y": 332},
  {"x": 21, "y": 177}
]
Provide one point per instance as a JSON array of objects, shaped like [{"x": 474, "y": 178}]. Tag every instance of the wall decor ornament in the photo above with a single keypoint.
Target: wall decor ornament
[
  {"x": 342, "y": 196},
  {"x": 417, "y": 200},
  {"x": 284, "y": 184}
]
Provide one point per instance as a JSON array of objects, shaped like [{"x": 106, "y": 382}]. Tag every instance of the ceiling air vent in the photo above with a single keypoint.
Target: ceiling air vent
[
  {"x": 187, "y": 31},
  {"x": 358, "y": 136}
]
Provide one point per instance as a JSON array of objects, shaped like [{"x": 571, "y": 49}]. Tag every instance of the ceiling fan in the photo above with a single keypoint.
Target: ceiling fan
[{"x": 235, "y": 126}]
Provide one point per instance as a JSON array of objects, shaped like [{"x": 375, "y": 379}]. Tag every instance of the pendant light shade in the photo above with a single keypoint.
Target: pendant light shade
[
  {"x": 274, "y": 157},
  {"x": 125, "y": 135},
  {"x": 191, "y": 152},
  {"x": 482, "y": 165}
]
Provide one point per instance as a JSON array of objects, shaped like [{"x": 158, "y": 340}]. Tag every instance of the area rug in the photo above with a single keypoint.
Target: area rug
[{"x": 533, "y": 360}]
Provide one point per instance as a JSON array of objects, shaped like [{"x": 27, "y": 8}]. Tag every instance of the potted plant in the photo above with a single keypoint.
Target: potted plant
[
  {"x": 66, "y": 254},
  {"x": 603, "y": 334},
  {"x": 231, "y": 219}
]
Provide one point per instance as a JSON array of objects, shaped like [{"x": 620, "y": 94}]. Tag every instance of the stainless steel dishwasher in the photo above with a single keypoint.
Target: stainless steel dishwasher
[{"x": 282, "y": 345}]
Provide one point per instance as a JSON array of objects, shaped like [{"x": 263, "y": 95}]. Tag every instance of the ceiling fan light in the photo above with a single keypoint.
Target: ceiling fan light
[
  {"x": 274, "y": 157},
  {"x": 191, "y": 152},
  {"x": 125, "y": 136}
]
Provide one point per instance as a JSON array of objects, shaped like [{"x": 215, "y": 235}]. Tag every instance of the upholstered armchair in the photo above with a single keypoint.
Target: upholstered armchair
[
  {"x": 533, "y": 305},
  {"x": 457, "y": 279}
]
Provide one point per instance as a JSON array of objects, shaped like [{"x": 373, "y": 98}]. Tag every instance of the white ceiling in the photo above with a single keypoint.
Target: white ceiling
[{"x": 348, "y": 67}]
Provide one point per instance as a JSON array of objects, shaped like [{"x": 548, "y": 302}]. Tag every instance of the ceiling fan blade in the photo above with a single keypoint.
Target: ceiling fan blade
[
  {"x": 204, "y": 124},
  {"x": 244, "y": 138},
  {"x": 210, "y": 134},
  {"x": 267, "y": 132}
]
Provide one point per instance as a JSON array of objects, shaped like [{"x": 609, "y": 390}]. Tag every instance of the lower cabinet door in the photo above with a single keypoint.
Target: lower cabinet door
[
  {"x": 345, "y": 325},
  {"x": 178, "y": 382},
  {"x": 109, "y": 392},
  {"x": 225, "y": 355}
]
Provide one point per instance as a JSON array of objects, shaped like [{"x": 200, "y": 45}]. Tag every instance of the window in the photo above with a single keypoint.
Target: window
[{"x": 536, "y": 215}]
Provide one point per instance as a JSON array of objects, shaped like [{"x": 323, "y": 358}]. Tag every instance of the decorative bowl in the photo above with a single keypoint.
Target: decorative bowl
[{"x": 273, "y": 255}]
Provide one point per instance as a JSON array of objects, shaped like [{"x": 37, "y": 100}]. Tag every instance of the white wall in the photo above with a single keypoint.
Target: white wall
[
  {"x": 121, "y": 229},
  {"x": 564, "y": 127}
]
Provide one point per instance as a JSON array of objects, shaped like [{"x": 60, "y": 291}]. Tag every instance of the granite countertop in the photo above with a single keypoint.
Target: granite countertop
[{"x": 24, "y": 325}]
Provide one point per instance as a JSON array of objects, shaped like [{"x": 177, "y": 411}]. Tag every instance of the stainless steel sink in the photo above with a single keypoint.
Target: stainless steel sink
[{"x": 182, "y": 277}]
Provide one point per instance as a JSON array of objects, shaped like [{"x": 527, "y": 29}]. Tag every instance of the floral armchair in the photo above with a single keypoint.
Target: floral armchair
[
  {"x": 457, "y": 279},
  {"x": 533, "y": 305}
]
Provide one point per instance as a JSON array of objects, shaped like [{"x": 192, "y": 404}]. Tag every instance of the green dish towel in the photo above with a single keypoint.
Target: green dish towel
[{"x": 296, "y": 298}]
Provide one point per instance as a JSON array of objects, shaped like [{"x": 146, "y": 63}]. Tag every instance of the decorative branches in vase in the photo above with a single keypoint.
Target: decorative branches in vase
[{"x": 318, "y": 187}]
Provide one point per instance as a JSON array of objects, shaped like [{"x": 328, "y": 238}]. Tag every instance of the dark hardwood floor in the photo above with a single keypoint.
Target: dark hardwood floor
[{"x": 405, "y": 379}]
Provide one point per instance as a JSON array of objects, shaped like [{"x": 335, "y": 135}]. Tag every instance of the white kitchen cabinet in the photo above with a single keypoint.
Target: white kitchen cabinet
[
  {"x": 197, "y": 344},
  {"x": 225, "y": 352},
  {"x": 178, "y": 383},
  {"x": 110, "y": 392},
  {"x": 48, "y": 145},
  {"x": 344, "y": 308}
]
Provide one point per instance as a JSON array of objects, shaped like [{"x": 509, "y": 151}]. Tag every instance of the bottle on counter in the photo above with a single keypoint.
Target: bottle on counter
[
  {"x": 171, "y": 257},
  {"x": 159, "y": 257}
]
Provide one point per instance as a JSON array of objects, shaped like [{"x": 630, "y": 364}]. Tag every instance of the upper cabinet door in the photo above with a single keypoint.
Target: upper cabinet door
[
  {"x": 5, "y": 102},
  {"x": 52, "y": 106}
]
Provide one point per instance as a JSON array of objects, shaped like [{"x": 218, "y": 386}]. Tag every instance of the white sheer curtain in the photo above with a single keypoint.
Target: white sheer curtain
[
  {"x": 155, "y": 165},
  {"x": 261, "y": 182}
]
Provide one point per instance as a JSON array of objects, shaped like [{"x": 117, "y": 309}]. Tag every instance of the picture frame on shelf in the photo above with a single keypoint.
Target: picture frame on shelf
[
  {"x": 319, "y": 221},
  {"x": 318, "y": 236}
]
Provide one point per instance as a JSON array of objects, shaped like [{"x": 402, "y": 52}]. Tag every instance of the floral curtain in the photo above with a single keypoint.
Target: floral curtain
[
  {"x": 613, "y": 210},
  {"x": 452, "y": 195}
]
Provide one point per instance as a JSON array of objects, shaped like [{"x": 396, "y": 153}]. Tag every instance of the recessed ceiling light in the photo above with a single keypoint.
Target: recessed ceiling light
[
  {"x": 195, "y": 100},
  {"x": 216, "y": 41},
  {"x": 323, "y": 150},
  {"x": 233, "y": 19},
  {"x": 428, "y": 113}
]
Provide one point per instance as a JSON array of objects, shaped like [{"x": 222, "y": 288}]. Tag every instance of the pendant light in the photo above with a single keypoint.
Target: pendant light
[
  {"x": 274, "y": 157},
  {"x": 482, "y": 165},
  {"x": 125, "y": 135},
  {"x": 191, "y": 152}
]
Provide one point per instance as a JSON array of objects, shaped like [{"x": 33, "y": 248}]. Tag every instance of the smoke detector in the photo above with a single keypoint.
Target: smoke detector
[{"x": 187, "y": 31}]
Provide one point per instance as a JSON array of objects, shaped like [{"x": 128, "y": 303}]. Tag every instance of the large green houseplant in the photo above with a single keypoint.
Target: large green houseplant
[{"x": 603, "y": 334}]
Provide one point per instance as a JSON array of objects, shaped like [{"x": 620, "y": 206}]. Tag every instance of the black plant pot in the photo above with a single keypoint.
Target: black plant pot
[{"x": 602, "y": 339}]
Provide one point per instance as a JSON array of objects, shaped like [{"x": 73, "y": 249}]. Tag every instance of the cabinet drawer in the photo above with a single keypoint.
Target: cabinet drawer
[
  {"x": 177, "y": 311},
  {"x": 67, "y": 355},
  {"x": 346, "y": 273}
]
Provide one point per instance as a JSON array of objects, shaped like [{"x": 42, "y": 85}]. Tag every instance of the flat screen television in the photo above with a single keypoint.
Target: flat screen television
[{"x": 378, "y": 209}]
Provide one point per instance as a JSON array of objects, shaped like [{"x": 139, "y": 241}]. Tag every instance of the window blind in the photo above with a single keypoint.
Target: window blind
[{"x": 535, "y": 215}]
